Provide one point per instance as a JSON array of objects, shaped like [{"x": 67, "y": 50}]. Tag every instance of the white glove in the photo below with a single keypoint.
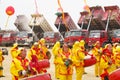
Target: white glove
[
  {"x": 28, "y": 67},
  {"x": 99, "y": 51},
  {"x": 24, "y": 72}
]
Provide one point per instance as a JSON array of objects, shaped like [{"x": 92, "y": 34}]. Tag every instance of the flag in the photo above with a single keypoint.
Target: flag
[
  {"x": 63, "y": 16},
  {"x": 60, "y": 9},
  {"x": 86, "y": 7}
]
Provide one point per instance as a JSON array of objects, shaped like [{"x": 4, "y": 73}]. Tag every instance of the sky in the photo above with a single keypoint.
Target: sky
[{"x": 48, "y": 8}]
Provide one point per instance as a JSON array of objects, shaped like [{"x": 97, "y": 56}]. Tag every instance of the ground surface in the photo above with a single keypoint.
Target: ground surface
[{"x": 7, "y": 61}]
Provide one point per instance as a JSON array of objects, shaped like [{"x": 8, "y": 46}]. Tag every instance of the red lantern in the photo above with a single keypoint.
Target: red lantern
[{"x": 10, "y": 10}]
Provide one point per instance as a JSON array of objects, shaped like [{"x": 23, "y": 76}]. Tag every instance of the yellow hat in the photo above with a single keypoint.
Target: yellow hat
[
  {"x": 15, "y": 44},
  {"x": 106, "y": 46},
  {"x": 57, "y": 44},
  {"x": 76, "y": 44},
  {"x": 36, "y": 43},
  {"x": 115, "y": 44},
  {"x": 19, "y": 50},
  {"x": 118, "y": 48},
  {"x": 97, "y": 42},
  {"x": 42, "y": 40},
  {"x": 82, "y": 43}
]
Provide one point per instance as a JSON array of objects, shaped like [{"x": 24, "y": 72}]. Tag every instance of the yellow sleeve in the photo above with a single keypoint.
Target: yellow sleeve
[
  {"x": 103, "y": 64},
  {"x": 81, "y": 55},
  {"x": 1, "y": 56},
  {"x": 0, "y": 52},
  {"x": 15, "y": 67},
  {"x": 95, "y": 52},
  {"x": 45, "y": 49},
  {"x": 60, "y": 61},
  {"x": 29, "y": 54}
]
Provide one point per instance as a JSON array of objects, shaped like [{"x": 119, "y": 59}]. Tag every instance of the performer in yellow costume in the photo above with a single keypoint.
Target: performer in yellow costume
[
  {"x": 1, "y": 65},
  {"x": 66, "y": 67},
  {"x": 35, "y": 50},
  {"x": 107, "y": 62},
  {"x": 97, "y": 52},
  {"x": 55, "y": 50},
  {"x": 78, "y": 60},
  {"x": 117, "y": 57},
  {"x": 14, "y": 49},
  {"x": 42, "y": 45},
  {"x": 19, "y": 65}
]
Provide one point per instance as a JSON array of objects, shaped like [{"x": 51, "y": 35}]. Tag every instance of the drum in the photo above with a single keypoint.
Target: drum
[
  {"x": 38, "y": 77},
  {"x": 44, "y": 63},
  {"x": 115, "y": 75},
  {"x": 89, "y": 61}
]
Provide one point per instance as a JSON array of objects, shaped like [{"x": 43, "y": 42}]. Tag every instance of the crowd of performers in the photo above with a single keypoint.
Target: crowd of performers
[
  {"x": 26, "y": 63},
  {"x": 65, "y": 59}
]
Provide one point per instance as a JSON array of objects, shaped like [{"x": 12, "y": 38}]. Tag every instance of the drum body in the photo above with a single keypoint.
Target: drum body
[
  {"x": 39, "y": 77},
  {"x": 44, "y": 63},
  {"x": 89, "y": 61},
  {"x": 115, "y": 75}
]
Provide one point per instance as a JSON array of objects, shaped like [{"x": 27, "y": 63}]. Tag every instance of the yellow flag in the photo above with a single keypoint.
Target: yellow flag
[
  {"x": 86, "y": 7},
  {"x": 63, "y": 16}
]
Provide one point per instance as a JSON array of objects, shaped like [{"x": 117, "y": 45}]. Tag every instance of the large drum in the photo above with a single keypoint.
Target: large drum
[
  {"x": 89, "y": 61},
  {"x": 115, "y": 75},
  {"x": 39, "y": 77}
]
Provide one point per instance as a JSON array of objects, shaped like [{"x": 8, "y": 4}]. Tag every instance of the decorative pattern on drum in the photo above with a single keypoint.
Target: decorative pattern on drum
[
  {"x": 89, "y": 61},
  {"x": 39, "y": 77},
  {"x": 115, "y": 75},
  {"x": 44, "y": 63}
]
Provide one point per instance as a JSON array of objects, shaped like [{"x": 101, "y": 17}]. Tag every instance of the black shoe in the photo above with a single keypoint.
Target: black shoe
[
  {"x": 2, "y": 76},
  {"x": 58, "y": 78},
  {"x": 85, "y": 73}
]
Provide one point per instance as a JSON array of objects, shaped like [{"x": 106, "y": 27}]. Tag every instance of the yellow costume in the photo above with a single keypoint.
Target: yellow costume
[
  {"x": 117, "y": 57},
  {"x": 55, "y": 50},
  {"x": 35, "y": 50},
  {"x": 107, "y": 62},
  {"x": 42, "y": 45},
  {"x": 97, "y": 52},
  {"x": 78, "y": 60},
  {"x": 14, "y": 49},
  {"x": 18, "y": 67},
  {"x": 1, "y": 66},
  {"x": 65, "y": 64}
]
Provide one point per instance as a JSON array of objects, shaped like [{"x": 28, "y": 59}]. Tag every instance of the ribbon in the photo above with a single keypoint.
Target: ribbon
[
  {"x": 36, "y": 6},
  {"x": 7, "y": 21}
]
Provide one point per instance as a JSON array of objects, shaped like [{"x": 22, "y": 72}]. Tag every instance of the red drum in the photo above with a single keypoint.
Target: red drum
[
  {"x": 115, "y": 75},
  {"x": 89, "y": 61},
  {"x": 39, "y": 77},
  {"x": 44, "y": 63}
]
